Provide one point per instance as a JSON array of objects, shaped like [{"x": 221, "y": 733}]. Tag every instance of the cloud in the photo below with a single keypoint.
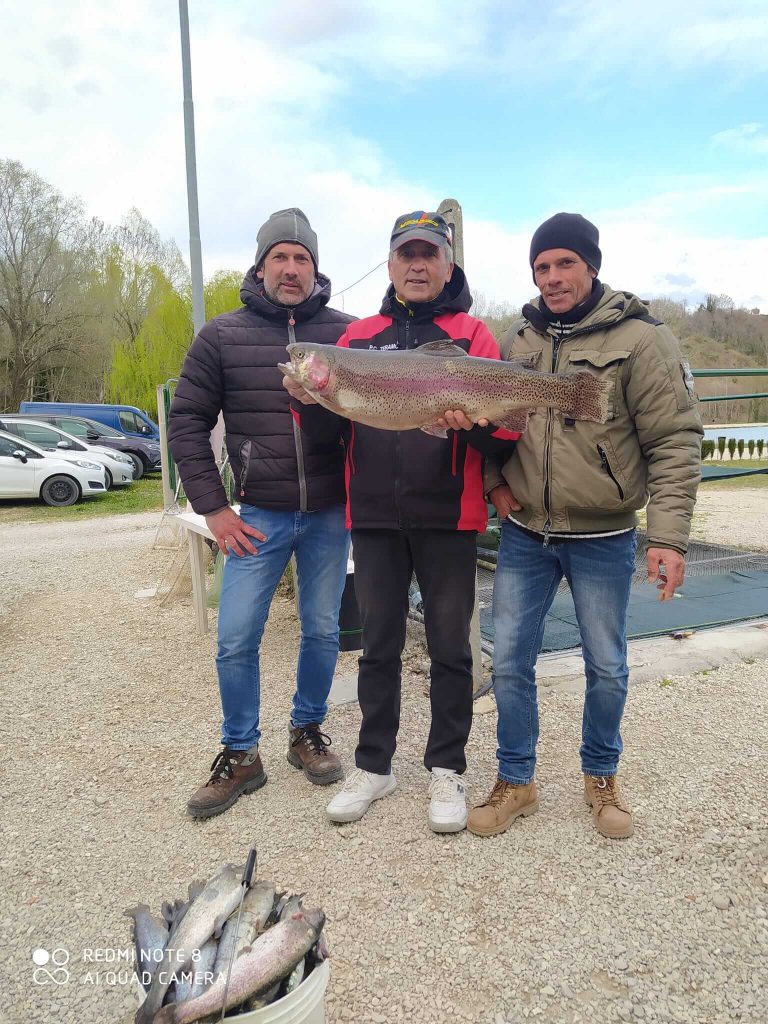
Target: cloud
[{"x": 747, "y": 137}]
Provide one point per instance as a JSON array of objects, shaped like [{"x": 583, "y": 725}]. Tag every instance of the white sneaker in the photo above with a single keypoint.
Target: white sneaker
[
  {"x": 448, "y": 801},
  {"x": 358, "y": 793}
]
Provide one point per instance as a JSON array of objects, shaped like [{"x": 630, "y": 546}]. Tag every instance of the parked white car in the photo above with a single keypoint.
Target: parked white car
[
  {"x": 27, "y": 471},
  {"x": 119, "y": 467}
]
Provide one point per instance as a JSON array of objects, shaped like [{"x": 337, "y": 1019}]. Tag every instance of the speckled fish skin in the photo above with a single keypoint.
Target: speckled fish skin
[
  {"x": 258, "y": 967},
  {"x": 406, "y": 390},
  {"x": 205, "y": 918}
]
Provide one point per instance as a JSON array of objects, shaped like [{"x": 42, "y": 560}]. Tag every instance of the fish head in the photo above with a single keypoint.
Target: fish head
[{"x": 310, "y": 366}]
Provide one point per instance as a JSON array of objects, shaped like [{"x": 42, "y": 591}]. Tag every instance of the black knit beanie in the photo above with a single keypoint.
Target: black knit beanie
[
  {"x": 286, "y": 226},
  {"x": 568, "y": 231}
]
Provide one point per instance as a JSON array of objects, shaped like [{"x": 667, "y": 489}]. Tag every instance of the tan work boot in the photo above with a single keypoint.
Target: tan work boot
[
  {"x": 506, "y": 802},
  {"x": 233, "y": 773},
  {"x": 610, "y": 813},
  {"x": 308, "y": 750}
]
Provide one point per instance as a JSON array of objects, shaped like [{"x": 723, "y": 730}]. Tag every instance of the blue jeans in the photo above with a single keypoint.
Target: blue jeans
[
  {"x": 599, "y": 573},
  {"x": 321, "y": 543}
]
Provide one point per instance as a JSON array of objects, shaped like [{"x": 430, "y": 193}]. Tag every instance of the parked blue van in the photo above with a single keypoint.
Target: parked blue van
[{"x": 125, "y": 418}]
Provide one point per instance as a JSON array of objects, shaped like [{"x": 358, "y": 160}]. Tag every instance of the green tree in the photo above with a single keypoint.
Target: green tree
[
  {"x": 721, "y": 447},
  {"x": 760, "y": 444},
  {"x": 731, "y": 447},
  {"x": 751, "y": 447},
  {"x": 740, "y": 447}
]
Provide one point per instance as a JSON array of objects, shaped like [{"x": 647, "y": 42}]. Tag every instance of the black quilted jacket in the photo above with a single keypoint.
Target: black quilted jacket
[{"x": 231, "y": 366}]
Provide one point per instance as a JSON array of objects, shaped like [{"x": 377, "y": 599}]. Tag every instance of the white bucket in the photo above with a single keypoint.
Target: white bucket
[{"x": 305, "y": 1005}]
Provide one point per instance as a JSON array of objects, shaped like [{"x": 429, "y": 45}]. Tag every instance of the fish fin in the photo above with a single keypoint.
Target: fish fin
[
  {"x": 439, "y": 348},
  {"x": 591, "y": 397},
  {"x": 434, "y": 430},
  {"x": 515, "y": 419},
  {"x": 194, "y": 889}
]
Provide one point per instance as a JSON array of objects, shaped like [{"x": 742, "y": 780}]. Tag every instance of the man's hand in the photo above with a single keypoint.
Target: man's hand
[
  {"x": 232, "y": 533},
  {"x": 455, "y": 419},
  {"x": 295, "y": 390},
  {"x": 504, "y": 500},
  {"x": 666, "y": 568}
]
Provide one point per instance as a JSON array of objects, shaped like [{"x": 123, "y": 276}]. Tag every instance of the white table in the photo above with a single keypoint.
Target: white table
[{"x": 197, "y": 533}]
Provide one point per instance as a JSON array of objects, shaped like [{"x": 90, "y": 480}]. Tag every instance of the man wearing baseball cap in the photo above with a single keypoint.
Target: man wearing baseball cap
[
  {"x": 290, "y": 496},
  {"x": 415, "y": 504},
  {"x": 568, "y": 497}
]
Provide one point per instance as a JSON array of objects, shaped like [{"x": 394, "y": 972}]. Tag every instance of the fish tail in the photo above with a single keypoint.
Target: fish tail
[{"x": 590, "y": 397}]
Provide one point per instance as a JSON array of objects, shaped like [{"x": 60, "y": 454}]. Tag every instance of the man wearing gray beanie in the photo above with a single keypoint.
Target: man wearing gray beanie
[
  {"x": 567, "y": 499},
  {"x": 291, "y": 501}
]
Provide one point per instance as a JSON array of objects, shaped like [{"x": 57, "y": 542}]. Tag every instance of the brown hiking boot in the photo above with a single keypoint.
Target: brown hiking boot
[
  {"x": 308, "y": 750},
  {"x": 610, "y": 813},
  {"x": 506, "y": 802},
  {"x": 233, "y": 773}
]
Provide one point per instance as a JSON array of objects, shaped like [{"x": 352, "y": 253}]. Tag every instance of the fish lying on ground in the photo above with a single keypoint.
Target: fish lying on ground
[
  {"x": 272, "y": 957},
  {"x": 406, "y": 390},
  {"x": 204, "y": 918},
  {"x": 150, "y": 936}
]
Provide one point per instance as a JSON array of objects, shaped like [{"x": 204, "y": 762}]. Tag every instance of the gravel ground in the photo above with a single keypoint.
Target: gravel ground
[
  {"x": 734, "y": 517},
  {"x": 112, "y": 719}
]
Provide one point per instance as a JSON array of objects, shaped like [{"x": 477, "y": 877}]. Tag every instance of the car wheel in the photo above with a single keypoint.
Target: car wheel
[
  {"x": 60, "y": 491},
  {"x": 138, "y": 465},
  {"x": 108, "y": 481}
]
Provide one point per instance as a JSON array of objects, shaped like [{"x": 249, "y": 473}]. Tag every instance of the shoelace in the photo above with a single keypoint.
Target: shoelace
[
  {"x": 223, "y": 767},
  {"x": 355, "y": 781},
  {"x": 499, "y": 792},
  {"x": 445, "y": 788},
  {"x": 606, "y": 791},
  {"x": 316, "y": 741}
]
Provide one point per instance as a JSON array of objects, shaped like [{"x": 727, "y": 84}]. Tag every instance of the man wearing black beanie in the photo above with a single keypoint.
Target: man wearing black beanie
[{"x": 568, "y": 498}]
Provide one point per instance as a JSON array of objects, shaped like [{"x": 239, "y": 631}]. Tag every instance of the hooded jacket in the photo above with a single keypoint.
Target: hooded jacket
[
  {"x": 408, "y": 479},
  {"x": 578, "y": 477},
  {"x": 231, "y": 367}
]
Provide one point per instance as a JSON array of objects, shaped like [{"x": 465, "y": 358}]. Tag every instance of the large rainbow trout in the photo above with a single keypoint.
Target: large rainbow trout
[{"x": 405, "y": 390}]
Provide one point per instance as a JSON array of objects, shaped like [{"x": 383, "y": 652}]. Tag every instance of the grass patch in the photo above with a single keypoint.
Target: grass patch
[
  {"x": 735, "y": 483},
  {"x": 145, "y": 495},
  {"x": 666, "y": 682}
]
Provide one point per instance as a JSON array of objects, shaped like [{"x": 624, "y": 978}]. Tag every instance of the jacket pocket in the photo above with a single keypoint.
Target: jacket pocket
[
  {"x": 245, "y": 461},
  {"x": 606, "y": 366},
  {"x": 683, "y": 383},
  {"x": 613, "y": 473}
]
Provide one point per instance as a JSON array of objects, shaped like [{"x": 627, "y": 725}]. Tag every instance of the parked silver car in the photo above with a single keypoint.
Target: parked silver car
[{"x": 119, "y": 468}]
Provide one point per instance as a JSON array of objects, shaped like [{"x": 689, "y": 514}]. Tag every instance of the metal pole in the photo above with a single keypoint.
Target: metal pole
[{"x": 195, "y": 255}]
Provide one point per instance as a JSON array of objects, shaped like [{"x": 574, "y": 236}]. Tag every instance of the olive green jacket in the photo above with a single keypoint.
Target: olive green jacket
[{"x": 580, "y": 477}]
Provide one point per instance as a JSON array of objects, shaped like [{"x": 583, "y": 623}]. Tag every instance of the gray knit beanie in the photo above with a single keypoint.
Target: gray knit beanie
[{"x": 286, "y": 226}]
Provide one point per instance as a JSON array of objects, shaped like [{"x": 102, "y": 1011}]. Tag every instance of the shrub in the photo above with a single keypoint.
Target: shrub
[
  {"x": 751, "y": 447},
  {"x": 731, "y": 446},
  {"x": 740, "y": 447}
]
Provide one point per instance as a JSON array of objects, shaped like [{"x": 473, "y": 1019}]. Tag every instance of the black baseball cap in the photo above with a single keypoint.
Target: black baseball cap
[{"x": 422, "y": 227}]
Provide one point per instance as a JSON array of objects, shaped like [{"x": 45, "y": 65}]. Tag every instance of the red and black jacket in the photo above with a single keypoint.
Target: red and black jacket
[{"x": 407, "y": 479}]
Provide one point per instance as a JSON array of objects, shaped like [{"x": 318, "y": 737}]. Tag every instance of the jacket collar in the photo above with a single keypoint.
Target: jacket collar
[{"x": 454, "y": 298}]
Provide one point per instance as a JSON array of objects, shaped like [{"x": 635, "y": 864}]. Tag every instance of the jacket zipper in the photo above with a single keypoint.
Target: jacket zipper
[
  {"x": 548, "y": 448},
  {"x": 297, "y": 431},
  {"x": 245, "y": 458},
  {"x": 607, "y": 469}
]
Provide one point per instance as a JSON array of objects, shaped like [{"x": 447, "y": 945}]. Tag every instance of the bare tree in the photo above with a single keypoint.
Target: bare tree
[
  {"x": 39, "y": 270},
  {"x": 133, "y": 259}
]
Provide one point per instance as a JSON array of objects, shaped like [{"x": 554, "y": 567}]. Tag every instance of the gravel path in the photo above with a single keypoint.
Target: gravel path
[{"x": 111, "y": 719}]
